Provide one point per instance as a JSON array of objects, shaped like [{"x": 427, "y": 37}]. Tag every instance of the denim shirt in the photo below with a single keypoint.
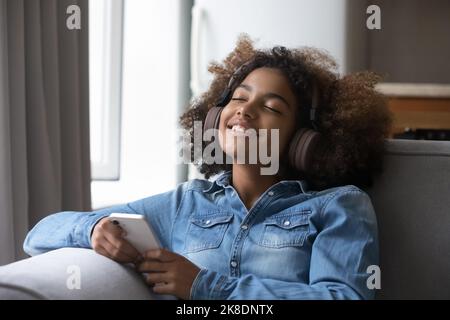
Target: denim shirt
[{"x": 293, "y": 243}]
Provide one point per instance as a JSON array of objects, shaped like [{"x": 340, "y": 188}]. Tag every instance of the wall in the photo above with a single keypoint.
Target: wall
[{"x": 413, "y": 44}]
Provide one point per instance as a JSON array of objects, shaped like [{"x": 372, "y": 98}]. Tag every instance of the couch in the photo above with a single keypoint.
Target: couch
[{"x": 412, "y": 201}]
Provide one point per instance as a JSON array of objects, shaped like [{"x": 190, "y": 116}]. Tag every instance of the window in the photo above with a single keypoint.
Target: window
[
  {"x": 140, "y": 101},
  {"x": 105, "y": 77}
]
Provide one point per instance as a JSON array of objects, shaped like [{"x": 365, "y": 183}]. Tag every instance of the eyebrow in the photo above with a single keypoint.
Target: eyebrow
[{"x": 269, "y": 94}]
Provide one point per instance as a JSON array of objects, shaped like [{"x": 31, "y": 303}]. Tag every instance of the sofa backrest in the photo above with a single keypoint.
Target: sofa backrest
[{"x": 412, "y": 202}]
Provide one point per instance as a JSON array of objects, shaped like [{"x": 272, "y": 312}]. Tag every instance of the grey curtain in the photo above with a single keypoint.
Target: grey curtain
[{"x": 44, "y": 117}]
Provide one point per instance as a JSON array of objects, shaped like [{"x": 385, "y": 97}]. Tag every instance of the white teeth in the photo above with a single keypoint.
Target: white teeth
[{"x": 238, "y": 128}]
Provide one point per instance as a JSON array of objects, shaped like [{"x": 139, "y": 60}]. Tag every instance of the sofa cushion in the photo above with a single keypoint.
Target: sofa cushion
[{"x": 54, "y": 275}]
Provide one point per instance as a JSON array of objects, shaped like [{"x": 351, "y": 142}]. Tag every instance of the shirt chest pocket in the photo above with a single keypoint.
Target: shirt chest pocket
[
  {"x": 286, "y": 230},
  {"x": 206, "y": 231}
]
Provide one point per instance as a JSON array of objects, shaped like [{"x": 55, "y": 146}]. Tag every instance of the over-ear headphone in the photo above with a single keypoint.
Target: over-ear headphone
[{"x": 304, "y": 141}]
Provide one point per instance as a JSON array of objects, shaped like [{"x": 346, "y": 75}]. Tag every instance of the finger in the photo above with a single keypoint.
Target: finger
[
  {"x": 115, "y": 253},
  {"x": 112, "y": 226},
  {"x": 122, "y": 245},
  {"x": 99, "y": 249},
  {"x": 114, "y": 233},
  {"x": 162, "y": 255},
  {"x": 164, "y": 288},
  {"x": 156, "y": 278},
  {"x": 152, "y": 266}
]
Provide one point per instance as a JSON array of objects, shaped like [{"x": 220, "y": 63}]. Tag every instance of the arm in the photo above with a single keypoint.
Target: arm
[
  {"x": 74, "y": 229},
  {"x": 346, "y": 245},
  {"x": 66, "y": 229}
]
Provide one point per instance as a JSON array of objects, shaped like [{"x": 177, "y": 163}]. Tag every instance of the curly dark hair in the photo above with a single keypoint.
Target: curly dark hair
[{"x": 353, "y": 117}]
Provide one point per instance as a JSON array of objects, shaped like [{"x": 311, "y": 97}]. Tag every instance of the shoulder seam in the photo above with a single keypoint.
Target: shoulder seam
[{"x": 351, "y": 189}]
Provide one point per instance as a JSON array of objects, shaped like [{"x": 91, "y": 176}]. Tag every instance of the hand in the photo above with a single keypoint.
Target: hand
[
  {"x": 107, "y": 239},
  {"x": 170, "y": 273}
]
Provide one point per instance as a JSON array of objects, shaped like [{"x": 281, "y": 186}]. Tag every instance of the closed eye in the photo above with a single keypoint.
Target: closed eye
[
  {"x": 272, "y": 109},
  {"x": 266, "y": 107}
]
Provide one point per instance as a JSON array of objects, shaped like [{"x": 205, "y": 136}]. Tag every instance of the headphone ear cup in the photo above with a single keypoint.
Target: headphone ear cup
[
  {"x": 212, "y": 119},
  {"x": 301, "y": 149}
]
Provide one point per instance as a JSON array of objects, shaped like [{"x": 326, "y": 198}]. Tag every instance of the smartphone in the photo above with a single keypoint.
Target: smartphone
[{"x": 138, "y": 232}]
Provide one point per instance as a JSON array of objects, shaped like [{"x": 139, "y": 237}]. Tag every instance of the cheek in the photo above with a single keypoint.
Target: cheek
[
  {"x": 283, "y": 138},
  {"x": 224, "y": 118},
  {"x": 227, "y": 141},
  {"x": 222, "y": 133}
]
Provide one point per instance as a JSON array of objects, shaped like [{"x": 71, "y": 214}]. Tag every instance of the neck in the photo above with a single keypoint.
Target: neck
[{"x": 250, "y": 184}]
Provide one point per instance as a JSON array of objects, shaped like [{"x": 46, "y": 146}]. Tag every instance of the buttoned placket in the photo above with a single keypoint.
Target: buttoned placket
[
  {"x": 268, "y": 197},
  {"x": 245, "y": 227}
]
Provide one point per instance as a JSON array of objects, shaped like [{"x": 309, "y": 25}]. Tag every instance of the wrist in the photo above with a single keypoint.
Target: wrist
[{"x": 92, "y": 229}]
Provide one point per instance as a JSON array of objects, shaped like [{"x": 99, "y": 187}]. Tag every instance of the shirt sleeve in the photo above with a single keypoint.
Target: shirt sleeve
[
  {"x": 74, "y": 229},
  {"x": 342, "y": 251}
]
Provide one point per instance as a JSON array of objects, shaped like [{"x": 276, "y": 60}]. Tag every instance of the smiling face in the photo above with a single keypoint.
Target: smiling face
[{"x": 264, "y": 100}]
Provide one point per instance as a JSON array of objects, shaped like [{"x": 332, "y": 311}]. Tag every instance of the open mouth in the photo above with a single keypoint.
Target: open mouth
[
  {"x": 236, "y": 128},
  {"x": 241, "y": 130}
]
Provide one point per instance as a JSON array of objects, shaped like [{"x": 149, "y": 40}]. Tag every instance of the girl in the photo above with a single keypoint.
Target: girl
[{"x": 306, "y": 232}]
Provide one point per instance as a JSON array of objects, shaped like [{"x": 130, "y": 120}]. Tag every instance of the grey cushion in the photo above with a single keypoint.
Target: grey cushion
[
  {"x": 412, "y": 202},
  {"x": 47, "y": 276}
]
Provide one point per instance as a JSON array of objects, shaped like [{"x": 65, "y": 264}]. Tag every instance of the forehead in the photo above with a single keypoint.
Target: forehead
[{"x": 269, "y": 80}]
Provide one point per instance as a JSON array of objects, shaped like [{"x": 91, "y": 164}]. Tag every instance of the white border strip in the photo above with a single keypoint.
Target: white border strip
[{"x": 422, "y": 90}]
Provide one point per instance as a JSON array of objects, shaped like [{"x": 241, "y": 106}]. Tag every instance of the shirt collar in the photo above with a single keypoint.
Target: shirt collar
[
  {"x": 302, "y": 184},
  {"x": 223, "y": 180}
]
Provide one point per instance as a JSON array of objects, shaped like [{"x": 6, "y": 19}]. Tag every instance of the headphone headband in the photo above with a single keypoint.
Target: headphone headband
[
  {"x": 314, "y": 105},
  {"x": 226, "y": 94}
]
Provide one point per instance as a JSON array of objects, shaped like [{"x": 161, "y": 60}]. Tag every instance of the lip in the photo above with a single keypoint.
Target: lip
[
  {"x": 239, "y": 127},
  {"x": 239, "y": 122}
]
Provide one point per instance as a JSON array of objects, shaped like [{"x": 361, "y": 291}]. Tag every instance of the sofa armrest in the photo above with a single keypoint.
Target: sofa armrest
[{"x": 72, "y": 273}]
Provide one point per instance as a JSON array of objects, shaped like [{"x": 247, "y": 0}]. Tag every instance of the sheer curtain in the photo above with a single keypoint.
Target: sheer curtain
[{"x": 44, "y": 116}]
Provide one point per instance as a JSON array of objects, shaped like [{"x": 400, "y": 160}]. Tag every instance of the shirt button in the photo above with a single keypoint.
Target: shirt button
[
  {"x": 270, "y": 193},
  {"x": 287, "y": 222},
  {"x": 244, "y": 227},
  {"x": 233, "y": 264},
  {"x": 207, "y": 221}
]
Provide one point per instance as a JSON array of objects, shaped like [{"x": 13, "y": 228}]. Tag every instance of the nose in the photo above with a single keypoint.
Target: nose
[{"x": 247, "y": 110}]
